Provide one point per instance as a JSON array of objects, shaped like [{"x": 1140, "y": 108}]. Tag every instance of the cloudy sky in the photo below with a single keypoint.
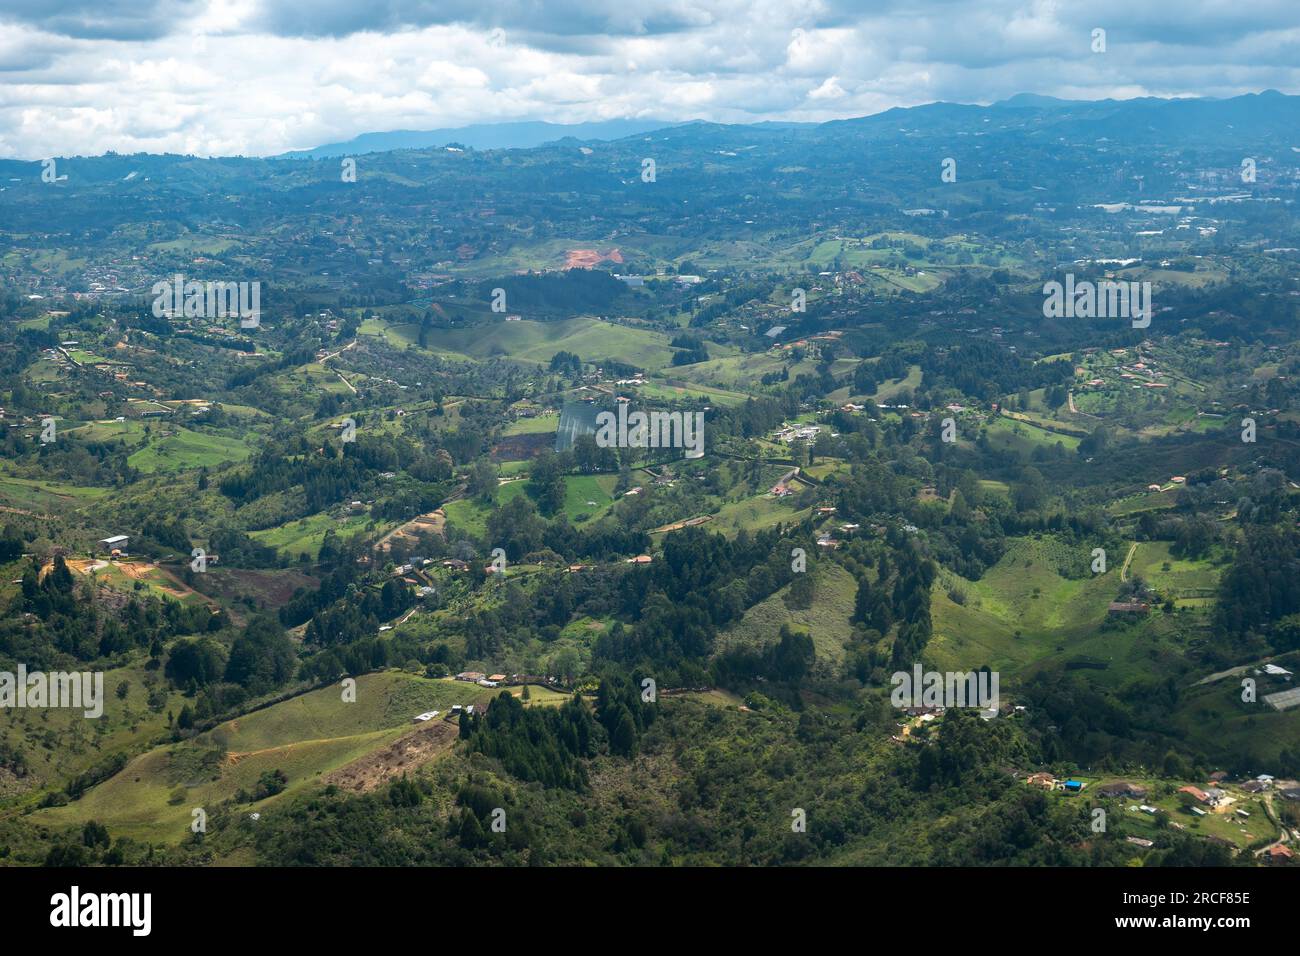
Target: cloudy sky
[{"x": 256, "y": 77}]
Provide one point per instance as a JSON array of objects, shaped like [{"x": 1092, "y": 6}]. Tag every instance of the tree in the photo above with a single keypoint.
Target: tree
[
  {"x": 94, "y": 834},
  {"x": 566, "y": 663},
  {"x": 1031, "y": 491},
  {"x": 862, "y": 602},
  {"x": 1175, "y": 767},
  {"x": 262, "y": 658},
  {"x": 960, "y": 511},
  {"x": 482, "y": 482},
  {"x": 622, "y": 740},
  {"x": 546, "y": 483},
  {"x": 471, "y": 831},
  {"x": 802, "y": 590}
]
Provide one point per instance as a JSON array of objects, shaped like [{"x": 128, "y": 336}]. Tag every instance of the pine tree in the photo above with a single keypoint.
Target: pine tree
[
  {"x": 862, "y": 603},
  {"x": 622, "y": 741}
]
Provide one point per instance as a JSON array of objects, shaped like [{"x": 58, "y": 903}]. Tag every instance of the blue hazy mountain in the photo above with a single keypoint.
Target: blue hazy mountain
[{"x": 521, "y": 135}]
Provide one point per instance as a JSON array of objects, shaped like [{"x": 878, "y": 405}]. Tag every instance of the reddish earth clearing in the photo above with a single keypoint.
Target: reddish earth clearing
[
  {"x": 590, "y": 258},
  {"x": 401, "y": 756}
]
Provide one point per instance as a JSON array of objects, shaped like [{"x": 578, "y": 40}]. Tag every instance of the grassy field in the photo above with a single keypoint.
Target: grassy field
[
  {"x": 308, "y": 379},
  {"x": 1024, "y": 437},
  {"x": 540, "y": 425},
  {"x": 1188, "y": 582},
  {"x": 304, "y": 737},
  {"x": 756, "y": 514},
  {"x": 59, "y": 743},
  {"x": 29, "y": 494},
  {"x": 889, "y": 390},
  {"x": 188, "y": 449},
  {"x": 132, "y": 575},
  {"x": 827, "y": 621},
  {"x": 1145, "y": 501},
  {"x": 580, "y": 489},
  {"x": 527, "y": 341},
  {"x": 1124, "y": 814},
  {"x": 131, "y": 431},
  {"x": 673, "y": 391},
  {"x": 1021, "y": 594},
  {"x": 733, "y": 374},
  {"x": 471, "y": 515},
  {"x": 305, "y": 535}
]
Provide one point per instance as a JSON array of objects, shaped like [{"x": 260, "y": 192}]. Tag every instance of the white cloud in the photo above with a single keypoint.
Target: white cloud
[
  {"x": 264, "y": 76},
  {"x": 830, "y": 89}
]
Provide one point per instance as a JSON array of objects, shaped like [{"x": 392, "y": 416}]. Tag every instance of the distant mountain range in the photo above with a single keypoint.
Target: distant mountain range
[
  {"x": 521, "y": 135},
  {"x": 1146, "y": 119}
]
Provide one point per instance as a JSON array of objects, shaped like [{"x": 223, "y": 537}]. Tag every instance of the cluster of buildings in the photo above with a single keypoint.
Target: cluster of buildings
[
  {"x": 484, "y": 680},
  {"x": 1048, "y": 781},
  {"x": 791, "y": 433}
]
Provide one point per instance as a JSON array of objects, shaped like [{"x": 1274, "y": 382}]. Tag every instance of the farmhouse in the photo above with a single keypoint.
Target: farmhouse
[
  {"x": 1128, "y": 607},
  {"x": 1219, "y": 800},
  {"x": 115, "y": 544}
]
